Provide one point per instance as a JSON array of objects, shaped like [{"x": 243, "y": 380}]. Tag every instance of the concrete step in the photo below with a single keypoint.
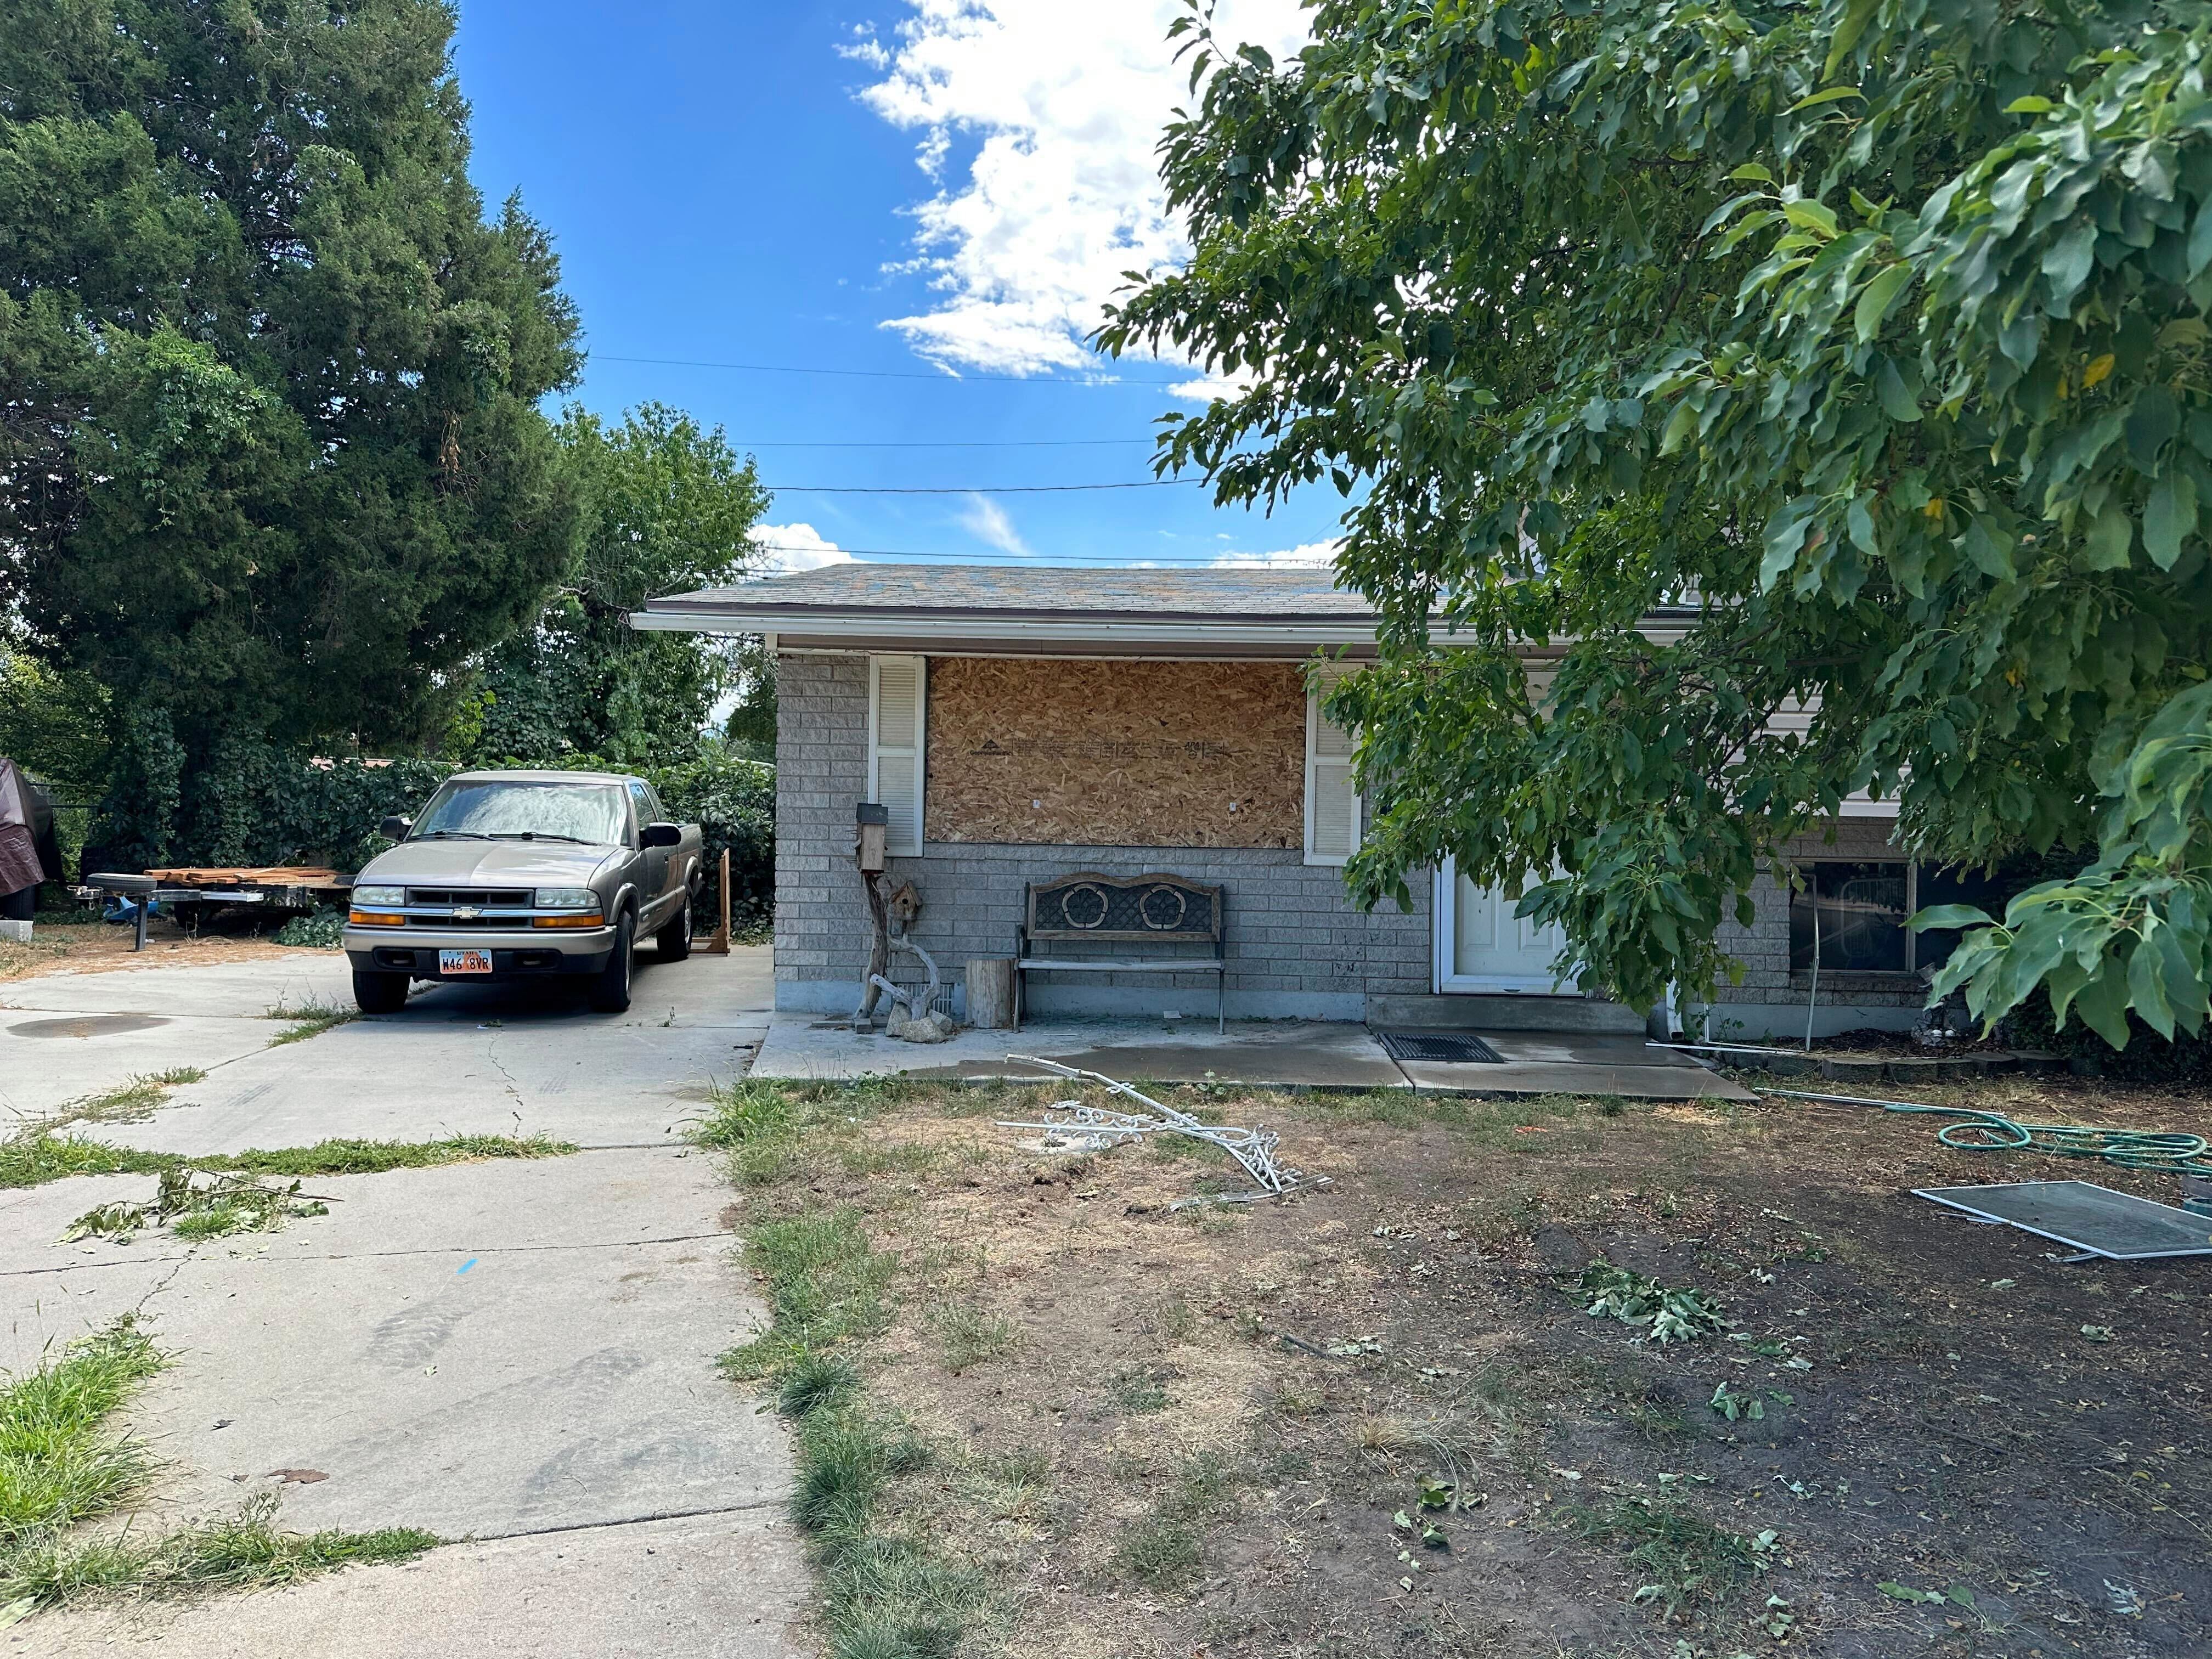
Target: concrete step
[{"x": 1502, "y": 1013}]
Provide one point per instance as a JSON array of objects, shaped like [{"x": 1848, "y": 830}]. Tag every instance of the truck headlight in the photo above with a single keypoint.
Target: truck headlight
[
  {"x": 376, "y": 898},
  {"x": 579, "y": 907}
]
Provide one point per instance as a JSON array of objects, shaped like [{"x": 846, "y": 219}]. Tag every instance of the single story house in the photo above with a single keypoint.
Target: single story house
[{"x": 1023, "y": 725}]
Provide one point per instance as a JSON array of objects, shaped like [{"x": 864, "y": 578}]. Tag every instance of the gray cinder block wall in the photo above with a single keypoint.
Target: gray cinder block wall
[
  {"x": 1772, "y": 1002},
  {"x": 1298, "y": 947}
]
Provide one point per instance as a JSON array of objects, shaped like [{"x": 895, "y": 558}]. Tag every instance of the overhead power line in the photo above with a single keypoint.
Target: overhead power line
[
  {"x": 965, "y": 443},
  {"x": 968, "y": 490},
  {"x": 1100, "y": 379},
  {"x": 1047, "y": 561}
]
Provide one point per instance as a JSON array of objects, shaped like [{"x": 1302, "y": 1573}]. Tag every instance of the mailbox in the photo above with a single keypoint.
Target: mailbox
[{"x": 871, "y": 824}]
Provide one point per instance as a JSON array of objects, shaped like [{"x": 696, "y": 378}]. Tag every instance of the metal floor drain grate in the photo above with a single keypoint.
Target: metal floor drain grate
[{"x": 1450, "y": 1046}]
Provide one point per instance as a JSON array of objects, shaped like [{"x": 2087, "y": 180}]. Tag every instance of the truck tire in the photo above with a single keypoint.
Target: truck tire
[
  {"x": 673, "y": 942},
  {"x": 611, "y": 990},
  {"x": 378, "y": 994}
]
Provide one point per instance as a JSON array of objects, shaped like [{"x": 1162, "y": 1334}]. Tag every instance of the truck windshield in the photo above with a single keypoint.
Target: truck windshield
[{"x": 498, "y": 810}]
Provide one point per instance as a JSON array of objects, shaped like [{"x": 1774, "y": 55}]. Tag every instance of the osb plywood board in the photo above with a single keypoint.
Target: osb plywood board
[{"x": 1118, "y": 754}]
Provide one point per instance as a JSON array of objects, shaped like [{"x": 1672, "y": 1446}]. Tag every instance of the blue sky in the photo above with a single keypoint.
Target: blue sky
[{"x": 936, "y": 192}]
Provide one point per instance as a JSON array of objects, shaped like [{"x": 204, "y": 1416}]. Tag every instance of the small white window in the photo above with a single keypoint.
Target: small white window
[
  {"x": 1331, "y": 801},
  {"x": 897, "y": 691}
]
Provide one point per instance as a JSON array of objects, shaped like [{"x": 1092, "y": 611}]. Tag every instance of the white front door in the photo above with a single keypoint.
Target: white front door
[{"x": 1482, "y": 946}]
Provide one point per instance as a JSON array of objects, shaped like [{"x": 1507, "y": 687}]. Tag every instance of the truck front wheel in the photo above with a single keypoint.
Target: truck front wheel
[
  {"x": 378, "y": 994},
  {"x": 611, "y": 990}
]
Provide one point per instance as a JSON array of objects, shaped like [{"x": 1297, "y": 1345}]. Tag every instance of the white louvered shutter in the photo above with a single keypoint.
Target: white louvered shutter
[
  {"x": 1332, "y": 803},
  {"x": 897, "y": 690}
]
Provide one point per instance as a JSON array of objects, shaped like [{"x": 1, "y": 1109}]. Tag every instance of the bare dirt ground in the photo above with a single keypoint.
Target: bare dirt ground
[
  {"x": 1206, "y": 1432},
  {"x": 92, "y": 947}
]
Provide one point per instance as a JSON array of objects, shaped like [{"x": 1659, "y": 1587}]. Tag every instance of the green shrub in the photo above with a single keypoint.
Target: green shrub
[
  {"x": 2149, "y": 1057},
  {"x": 256, "y": 803},
  {"x": 259, "y": 803}
]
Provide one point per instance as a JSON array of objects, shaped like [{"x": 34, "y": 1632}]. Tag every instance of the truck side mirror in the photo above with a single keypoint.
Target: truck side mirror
[
  {"x": 660, "y": 835},
  {"x": 395, "y": 828}
]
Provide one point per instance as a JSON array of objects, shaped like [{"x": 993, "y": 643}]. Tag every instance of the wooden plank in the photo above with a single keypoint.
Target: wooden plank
[
  {"x": 1116, "y": 754},
  {"x": 277, "y": 875}
]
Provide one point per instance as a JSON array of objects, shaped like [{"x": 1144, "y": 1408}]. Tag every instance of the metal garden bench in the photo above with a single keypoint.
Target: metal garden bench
[{"x": 1158, "y": 911}]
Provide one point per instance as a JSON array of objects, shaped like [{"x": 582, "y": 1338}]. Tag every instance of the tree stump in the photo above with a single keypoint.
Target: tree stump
[{"x": 991, "y": 992}]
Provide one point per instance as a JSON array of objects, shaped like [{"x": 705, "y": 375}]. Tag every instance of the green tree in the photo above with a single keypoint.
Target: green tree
[
  {"x": 271, "y": 464},
  {"x": 750, "y": 727},
  {"x": 1842, "y": 362},
  {"x": 54, "y": 724},
  {"x": 667, "y": 507}
]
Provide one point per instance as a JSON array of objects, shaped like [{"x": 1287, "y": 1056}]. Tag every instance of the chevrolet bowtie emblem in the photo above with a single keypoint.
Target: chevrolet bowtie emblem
[{"x": 465, "y": 913}]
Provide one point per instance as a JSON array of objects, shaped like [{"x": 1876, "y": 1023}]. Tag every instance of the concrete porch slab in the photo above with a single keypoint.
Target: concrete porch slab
[{"x": 1275, "y": 1053}]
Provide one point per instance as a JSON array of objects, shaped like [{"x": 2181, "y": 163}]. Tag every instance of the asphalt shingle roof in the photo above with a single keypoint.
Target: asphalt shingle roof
[{"x": 954, "y": 589}]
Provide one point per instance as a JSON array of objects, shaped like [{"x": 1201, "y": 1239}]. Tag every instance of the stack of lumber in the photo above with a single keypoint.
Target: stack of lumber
[{"x": 273, "y": 875}]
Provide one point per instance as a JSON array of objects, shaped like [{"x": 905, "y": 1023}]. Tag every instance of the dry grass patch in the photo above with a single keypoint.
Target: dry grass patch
[{"x": 1379, "y": 1418}]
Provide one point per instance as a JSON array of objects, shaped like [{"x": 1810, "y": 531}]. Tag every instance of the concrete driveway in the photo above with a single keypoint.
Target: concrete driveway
[{"x": 515, "y": 1354}]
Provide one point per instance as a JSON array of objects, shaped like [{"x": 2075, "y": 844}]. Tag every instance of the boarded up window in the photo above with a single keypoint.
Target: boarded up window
[
  {"x": 1116, "y": 754},
  {"x": 1332, "y": 802},
  {"x": 896, "y": 696}
]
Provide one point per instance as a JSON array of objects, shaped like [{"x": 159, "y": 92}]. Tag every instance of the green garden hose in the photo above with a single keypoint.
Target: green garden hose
[{"x": 1977, "y": 1131}]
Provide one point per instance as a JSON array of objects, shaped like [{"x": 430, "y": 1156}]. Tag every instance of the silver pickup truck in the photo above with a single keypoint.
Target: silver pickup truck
[{"x": 509, "y": 875}]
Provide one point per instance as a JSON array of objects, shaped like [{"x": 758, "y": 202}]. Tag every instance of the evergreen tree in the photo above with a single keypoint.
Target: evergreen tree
[{"x": 271, "y": 464}]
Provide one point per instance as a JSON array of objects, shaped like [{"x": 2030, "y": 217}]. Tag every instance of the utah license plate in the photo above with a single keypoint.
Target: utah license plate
[{"x": 464, "y": 962}]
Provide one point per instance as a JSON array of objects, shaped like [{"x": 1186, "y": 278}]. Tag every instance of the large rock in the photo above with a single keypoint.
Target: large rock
[{"x": 931, "y": 1027}]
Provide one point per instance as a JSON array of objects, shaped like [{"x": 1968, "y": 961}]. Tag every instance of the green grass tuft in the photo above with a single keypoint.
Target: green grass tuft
[
  {"x": 61, "y": 1465},
  {"x": 967, "y": 1336},
  {"x": 825, "y": 1285},
  {"x": 1158, "y": 1551},
  {"x": 759, "y": 1124},
  {"x": 814, "y": 1381},
  {"x": 41, "y": 1159},
  {"x": 35, "y": 1160},
  {"x": 310, "y": 1019},
  {"x": 58, "y": 1464},
  {"x": 885, "y": 1597},
  {"x": 335, "y": 1157},
  {"x": 248, "y": 1550},
  {"x": 1685, "y": 1561}
]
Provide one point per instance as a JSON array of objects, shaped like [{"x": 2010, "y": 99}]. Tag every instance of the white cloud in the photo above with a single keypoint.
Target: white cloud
[
  {"x": 1207, "y": 387},
  {"x": 1307, "y": 555},
  {"x": 789, "y": 547},
  {"x": 1063, "y": 196},
  {"x": 989, "y": 523}
]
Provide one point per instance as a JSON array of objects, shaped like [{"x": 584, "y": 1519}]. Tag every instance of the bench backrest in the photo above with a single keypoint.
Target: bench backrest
[{"x": 1152, "y": 909}]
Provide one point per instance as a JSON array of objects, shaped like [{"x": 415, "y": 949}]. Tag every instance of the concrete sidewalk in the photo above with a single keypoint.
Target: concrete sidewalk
[
  {"x": 1274, "y": 1054},
  {"x": 517, "y": 1354}
]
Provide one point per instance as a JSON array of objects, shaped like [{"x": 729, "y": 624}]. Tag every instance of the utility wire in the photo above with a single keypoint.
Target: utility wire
[
  {"x": 972, "y": 443},
  {"x": 968, "y": 489},
  {"x": 1042, "y": 561},
  {"x": 1100, "y": 379}
]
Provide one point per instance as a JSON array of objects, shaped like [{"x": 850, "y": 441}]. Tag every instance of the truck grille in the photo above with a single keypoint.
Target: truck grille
[{"x": 485, "y": 898}]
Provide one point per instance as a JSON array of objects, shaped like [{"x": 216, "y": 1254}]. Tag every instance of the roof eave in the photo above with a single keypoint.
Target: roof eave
[
  {"x": 971, "y": 625},
  {"x": 876, "y": 625}
]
